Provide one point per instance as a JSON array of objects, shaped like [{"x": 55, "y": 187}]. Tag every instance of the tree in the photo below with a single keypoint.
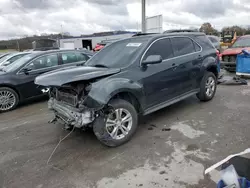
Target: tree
[
  {"x": 208, "y": 29},
  {"x": 247, "y": 32}
]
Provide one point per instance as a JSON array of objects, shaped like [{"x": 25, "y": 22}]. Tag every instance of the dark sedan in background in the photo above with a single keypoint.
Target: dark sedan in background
[
  {"x": 12, "y": 57},
  {"x": 17, "y": 79}
]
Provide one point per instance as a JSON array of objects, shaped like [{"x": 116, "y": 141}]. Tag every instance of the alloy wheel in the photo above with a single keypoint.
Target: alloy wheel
[
  {"x": 119, "y": 123},
  {"x": 210, "y": 86},
  {"x": 7, "y": 100}
]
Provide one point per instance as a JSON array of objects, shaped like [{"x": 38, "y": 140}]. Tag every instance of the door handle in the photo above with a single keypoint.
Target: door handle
[
  {"x": 174, "y": 66},
  {"x": 200, "y": 57}
]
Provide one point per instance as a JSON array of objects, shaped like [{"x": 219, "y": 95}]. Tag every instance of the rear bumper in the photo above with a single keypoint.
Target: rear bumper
[
  {"x": 70, "y": 115},
  {"x": 230, "y": 66}
]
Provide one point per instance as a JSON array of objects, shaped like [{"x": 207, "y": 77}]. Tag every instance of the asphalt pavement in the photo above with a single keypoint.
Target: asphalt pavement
[{"x": 172, "y": 147}]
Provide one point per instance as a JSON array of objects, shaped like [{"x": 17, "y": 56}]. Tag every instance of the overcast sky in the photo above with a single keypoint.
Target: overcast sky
[{"x": 29, "y": 17}]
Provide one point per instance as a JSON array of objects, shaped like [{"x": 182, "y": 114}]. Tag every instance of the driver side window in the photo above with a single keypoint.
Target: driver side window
[
  {"x": 161, "y": 47},
  {"x": 44, "y": 62}
]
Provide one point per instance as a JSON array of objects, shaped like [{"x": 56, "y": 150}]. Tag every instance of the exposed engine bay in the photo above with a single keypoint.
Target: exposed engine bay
[{"x": 67, "y": 104}]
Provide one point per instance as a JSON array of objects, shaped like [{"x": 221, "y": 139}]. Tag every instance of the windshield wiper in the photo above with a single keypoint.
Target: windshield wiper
[{"x": 100, "y": 65}]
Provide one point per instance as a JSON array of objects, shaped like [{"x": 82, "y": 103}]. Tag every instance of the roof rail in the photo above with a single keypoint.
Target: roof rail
[
  {"x": 46, "y": 48},
  {"x": 142, "y": 34},
  {"x": 179, "y": 31}
]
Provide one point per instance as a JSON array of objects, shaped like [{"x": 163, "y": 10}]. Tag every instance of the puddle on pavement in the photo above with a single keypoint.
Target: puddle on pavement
[
  {"x": 187, "y": 130},
  {"x": 174, "y": 171}
]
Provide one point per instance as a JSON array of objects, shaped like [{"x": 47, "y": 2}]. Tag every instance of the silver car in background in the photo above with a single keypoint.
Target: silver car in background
[
  {"x": 10, "y": 58},
  {"x": 215, "y": 41}
]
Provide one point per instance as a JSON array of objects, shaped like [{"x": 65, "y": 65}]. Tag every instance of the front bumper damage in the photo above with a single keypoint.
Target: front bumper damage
[{"x": 69, "y": 115}]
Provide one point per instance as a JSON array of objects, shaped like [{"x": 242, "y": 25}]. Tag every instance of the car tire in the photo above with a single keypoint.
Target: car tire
[
  {"x": 9, "y": 99},
  {"x": 115, "y": 134},
  {"x": 208, "y": 87}
]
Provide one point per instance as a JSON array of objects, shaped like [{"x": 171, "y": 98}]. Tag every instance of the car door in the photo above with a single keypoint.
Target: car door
[
  {"x": 184, "y": 60},
  {"x": 159, "y": 80},
  {"x": 34, "y": 68}
]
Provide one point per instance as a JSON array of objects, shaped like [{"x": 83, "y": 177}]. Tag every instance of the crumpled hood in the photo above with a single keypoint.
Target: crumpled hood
[
  {"x": 234, "y": 51},
  {"x": 73, "y": 74}
]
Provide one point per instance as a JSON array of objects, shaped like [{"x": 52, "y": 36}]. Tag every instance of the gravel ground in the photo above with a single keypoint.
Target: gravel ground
[{"x": 171, "y": 148}]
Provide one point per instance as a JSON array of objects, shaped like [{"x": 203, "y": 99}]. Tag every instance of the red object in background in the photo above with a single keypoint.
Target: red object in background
[
  {"x": 98, "y": 47},
  {"x": 234, "y": 51},
  {"x": 244, "y": 42}
]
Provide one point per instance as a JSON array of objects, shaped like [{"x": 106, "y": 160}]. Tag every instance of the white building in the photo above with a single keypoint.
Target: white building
[{"x": 90, "y": 42}]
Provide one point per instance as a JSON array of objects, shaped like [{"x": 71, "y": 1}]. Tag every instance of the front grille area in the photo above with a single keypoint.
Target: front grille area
[
  {"x": 229, "y": 58},
  {"x": 66, "y": 98}
]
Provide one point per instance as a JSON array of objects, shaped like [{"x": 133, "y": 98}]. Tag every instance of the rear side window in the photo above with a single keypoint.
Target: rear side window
[
  {"x": 204, "y": 42},
  {"x": 197, "y": 47},
  {"x": 182, "y": 46},
  {"x": 161, "y": 47},
  {"x": 81, "y": 57},
  {"x": 69, "y": 57}
]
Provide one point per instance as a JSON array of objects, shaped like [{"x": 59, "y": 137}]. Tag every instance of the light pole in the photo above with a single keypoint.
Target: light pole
[{"x": 143, "y": 20}]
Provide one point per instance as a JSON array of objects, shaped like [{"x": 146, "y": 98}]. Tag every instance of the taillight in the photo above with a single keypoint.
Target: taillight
[{"x": 219, "y": 55}]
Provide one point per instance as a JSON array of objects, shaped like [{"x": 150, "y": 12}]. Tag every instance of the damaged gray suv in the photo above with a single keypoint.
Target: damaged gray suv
[{"x": 132, "y": 77}]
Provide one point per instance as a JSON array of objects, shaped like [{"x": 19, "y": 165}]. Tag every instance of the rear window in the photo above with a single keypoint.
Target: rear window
[
  {"x": 204, "y": 42},
  {"x": 212, "y": 39}
]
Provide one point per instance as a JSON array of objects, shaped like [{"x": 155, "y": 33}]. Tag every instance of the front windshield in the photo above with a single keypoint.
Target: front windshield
[
  {"x": 242, "y": 42},
  {"x": 18, "y": 63},
  {"x": 117, "y": 54}
]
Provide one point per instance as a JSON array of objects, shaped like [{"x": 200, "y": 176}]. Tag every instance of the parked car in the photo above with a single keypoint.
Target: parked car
[
  {"x": 229, "y": 55},
  {"x": 3, "y": 55},
  {"x": 138, "y": 75},
  {"x": 7, "y": 60},
  {"x": 215, "y": 41},
  {"x": 17, "y": 79}
]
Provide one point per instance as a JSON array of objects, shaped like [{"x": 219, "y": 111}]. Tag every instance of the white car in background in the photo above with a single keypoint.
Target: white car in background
[{"x": 8, "y": 59}]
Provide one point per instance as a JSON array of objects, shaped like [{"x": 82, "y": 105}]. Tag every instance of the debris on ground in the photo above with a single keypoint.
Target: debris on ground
[
  {"x": 228, "y": 80},
  {"x": 166, "y": 129},
  {"x": 162, "y": 172},
  {"x": 152, "y": 125}
]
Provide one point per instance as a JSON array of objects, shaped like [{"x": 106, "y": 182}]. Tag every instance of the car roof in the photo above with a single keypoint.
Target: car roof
[
  {"x": 245, "y": 36},
  {"x": 18, "y": 53},
  {"x": 56, "y": 51},
  {"x": 160, "y": 35}
]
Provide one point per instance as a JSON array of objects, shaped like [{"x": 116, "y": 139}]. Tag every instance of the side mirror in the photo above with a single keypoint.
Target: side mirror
[
  {"x": 6, "y": 63},
  {"x": 26, "y": 70},
  {"x": 152, "y": 59}
]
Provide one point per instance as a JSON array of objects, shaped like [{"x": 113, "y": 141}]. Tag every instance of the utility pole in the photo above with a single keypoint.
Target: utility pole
[
  {"x": 18, "y": 47},
  {"x": 143, "y": 20},
  {"x": 62, "y": 31}
]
